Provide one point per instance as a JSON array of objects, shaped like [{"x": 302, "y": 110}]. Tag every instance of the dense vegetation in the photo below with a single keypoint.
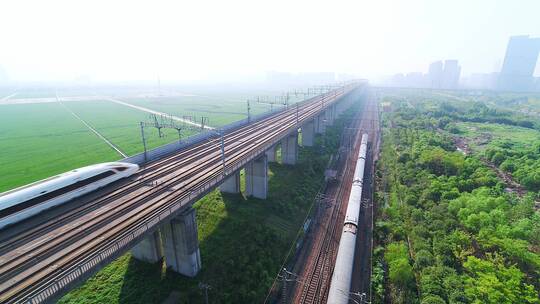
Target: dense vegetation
[
  {"x": 522, "y": 162},
  {"x": 242, "y": 240},
  {"x": 447, "y": 232}
]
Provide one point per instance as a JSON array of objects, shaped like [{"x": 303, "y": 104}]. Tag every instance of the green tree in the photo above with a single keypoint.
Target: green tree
[{"x": 490, "y": 281}]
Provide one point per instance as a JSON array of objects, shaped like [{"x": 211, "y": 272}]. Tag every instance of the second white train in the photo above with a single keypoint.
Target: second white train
[{"x": 340, "y": 285}]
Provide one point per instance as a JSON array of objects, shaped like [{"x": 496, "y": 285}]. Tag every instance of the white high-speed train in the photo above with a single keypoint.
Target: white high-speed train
[{"x": 26, "y": 201}]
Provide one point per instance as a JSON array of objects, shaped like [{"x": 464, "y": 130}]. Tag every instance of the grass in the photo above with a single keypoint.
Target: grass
[
  {"x": 482, "y": 135},
  {"x": 242, "y": 242},
  {"x": 219, "y": 111},
  {"x": 40, "y": 140},
  {"x": 120, "y": 125}
]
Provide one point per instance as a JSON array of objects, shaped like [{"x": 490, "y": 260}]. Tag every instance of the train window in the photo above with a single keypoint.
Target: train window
[
  {"x": 121, "y": 169},
  {"x": 60, "y": 191},
  {"x": 29, "y": 185}
]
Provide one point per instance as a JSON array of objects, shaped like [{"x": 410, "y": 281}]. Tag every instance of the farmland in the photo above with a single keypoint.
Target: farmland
[{"x": 43, "y": 138}]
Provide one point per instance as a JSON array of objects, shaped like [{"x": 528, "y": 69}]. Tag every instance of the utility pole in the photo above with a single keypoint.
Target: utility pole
[
  {"x": 144, "y": 141},
  {"x": 278, "y": 100},
  {"x": 284, "y": 287},
  {"x": 249, "y": 111},
  {"x": 166, "y": 121},
  {"x": 206, "y": 287},
  {"x": 286, "y": 276}
]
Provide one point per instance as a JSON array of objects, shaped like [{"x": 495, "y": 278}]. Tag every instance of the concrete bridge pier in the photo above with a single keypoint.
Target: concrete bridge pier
[
  {"x": 308, "y": 134},
  {"x": 149, "y": 249},
  {"x": 181, "y": 245},
  {"x": 231, "y": 184},
  {"x": 329, "y": 115},
  {"x": 320, "y": 128},
  {"x": 289, "y": 149},
  {"x": 257, "y": 177},
  {"x": 342, "y": 106},
  {"x": 271, "y": 154}
]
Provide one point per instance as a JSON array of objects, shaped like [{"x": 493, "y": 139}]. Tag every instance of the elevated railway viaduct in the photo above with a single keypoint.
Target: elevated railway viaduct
[{"x": 150, "y": 213}]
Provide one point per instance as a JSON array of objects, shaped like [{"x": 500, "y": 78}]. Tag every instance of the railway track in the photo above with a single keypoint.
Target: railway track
[
  {"x": 319, "y": 268},
  {"x": 40, "y": 263}
]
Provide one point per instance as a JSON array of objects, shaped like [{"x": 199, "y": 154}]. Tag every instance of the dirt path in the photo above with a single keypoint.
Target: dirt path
[{"x": 511, "y": 185}]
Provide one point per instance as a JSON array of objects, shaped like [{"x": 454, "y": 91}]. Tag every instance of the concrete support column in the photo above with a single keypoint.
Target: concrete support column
[
  {"x": 180, "y": 244},
  {"x": 289, "y": 149},
  {"x": 231, "y": 184},
  {"x": 271, "y": 154},
  {"x": 329, "y": 116},
  {"x": 149, "y": 249},
  {"x": 308, "y": 134},
  {"x": 320, "y": 126},
  {"x": 340, "y": 107},
  {"x": 257, "y": 177}
]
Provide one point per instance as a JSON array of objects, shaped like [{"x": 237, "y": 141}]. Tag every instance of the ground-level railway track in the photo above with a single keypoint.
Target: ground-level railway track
[
  {"x": 39, "y": 264},
  {"x": 317, "y": 275}
]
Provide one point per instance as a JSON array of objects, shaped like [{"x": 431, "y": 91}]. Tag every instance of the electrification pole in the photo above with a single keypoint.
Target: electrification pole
[
  {"x": 143, "y": 141},
  {"x": 248, "y": 111}
]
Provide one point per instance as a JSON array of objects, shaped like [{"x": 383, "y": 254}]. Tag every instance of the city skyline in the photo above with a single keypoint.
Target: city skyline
[{"x": 517, "y": 72}]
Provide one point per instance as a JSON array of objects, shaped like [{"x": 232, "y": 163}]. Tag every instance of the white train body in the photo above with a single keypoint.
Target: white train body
[
  {"x": 29, "y": 200},
  {"x": 340, "y": 285}
]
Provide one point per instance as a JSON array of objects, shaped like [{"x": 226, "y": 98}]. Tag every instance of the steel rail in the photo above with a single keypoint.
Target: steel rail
[
  {"x": 208, "y": 177},
  {"x": 218, "y": 162},
  {"x": 128, "y": 188}
]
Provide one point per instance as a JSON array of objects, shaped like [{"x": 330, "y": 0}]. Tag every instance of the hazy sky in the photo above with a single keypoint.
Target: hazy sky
[{"x": 183, "y": 40}]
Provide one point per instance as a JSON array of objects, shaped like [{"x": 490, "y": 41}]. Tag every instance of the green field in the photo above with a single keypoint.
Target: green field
[
  {"x": 42, "y": 139},
  {"x": 120, "y": 125},
  {"x": 220, "y": 110}
]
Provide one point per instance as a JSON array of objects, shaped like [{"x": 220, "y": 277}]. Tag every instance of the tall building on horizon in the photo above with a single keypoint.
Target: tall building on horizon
[
  {"x": 435, "y": 74},
  {"x": 444, "y": 76},
  {"x": 519, "y": 64},
  {"x": 450, "y": 75}
]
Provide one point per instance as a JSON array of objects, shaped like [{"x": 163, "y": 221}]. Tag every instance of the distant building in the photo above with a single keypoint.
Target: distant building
[
  {"x": 519, "y": 64},
  {"x": 439, "y": 76},
  {"x": 482, "y": 81},
  {"x": 435, "y": 74},
  {"x": 450, "y": 75}
]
